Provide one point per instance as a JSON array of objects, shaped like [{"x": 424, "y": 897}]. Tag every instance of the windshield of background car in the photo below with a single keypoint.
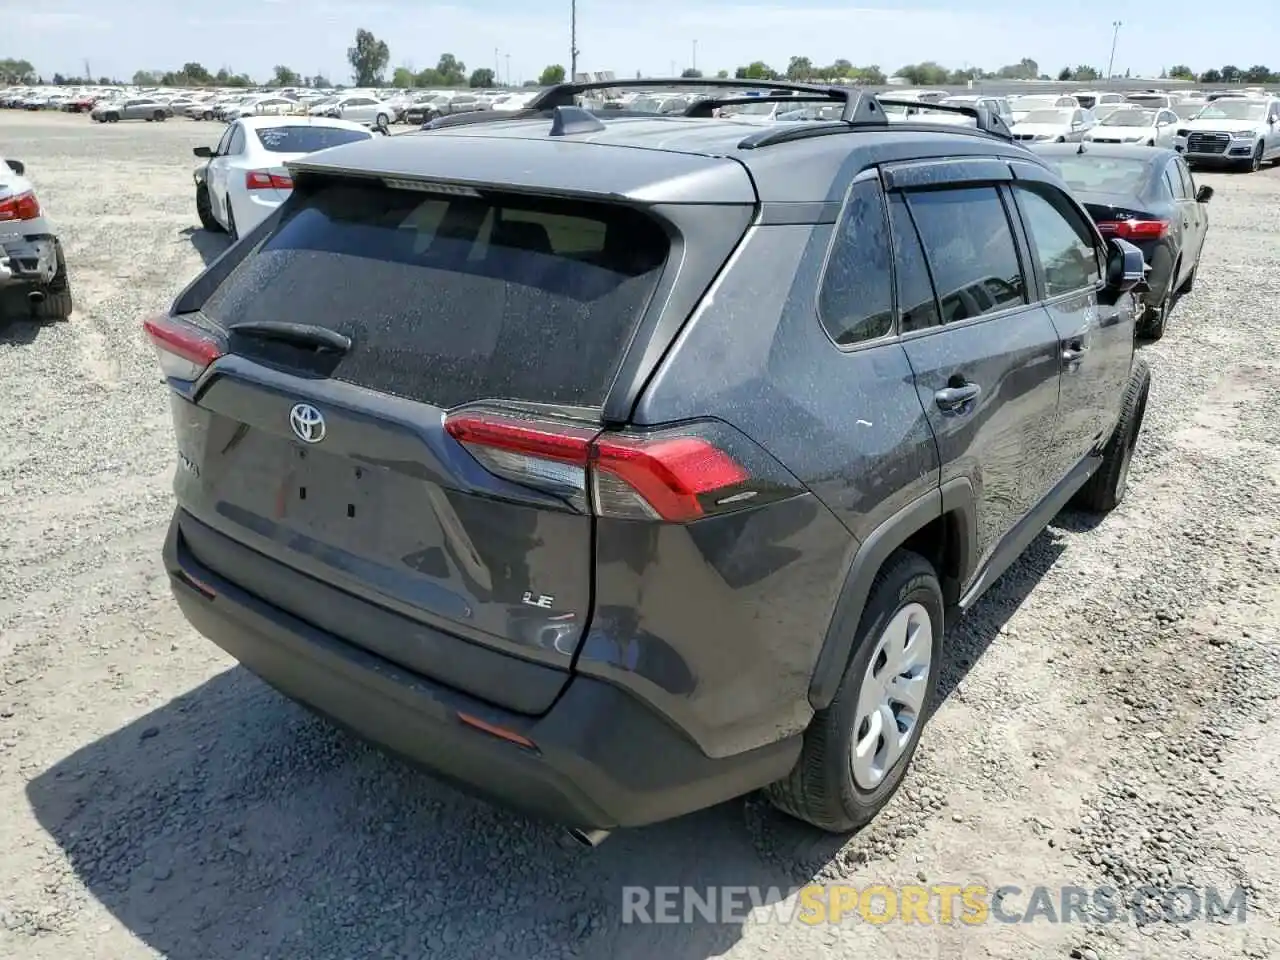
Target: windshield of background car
[
  {"x": 1031, "y": 103},
  {"x": 1186, "y": 111},
  {"x": 304, "y": 138},
  {"x": 1095, "y": 174},
  {"x": 1130, "y": 118},
  {"x": 1048, "y": 116},
  {"x": 1232, "y": 110}
]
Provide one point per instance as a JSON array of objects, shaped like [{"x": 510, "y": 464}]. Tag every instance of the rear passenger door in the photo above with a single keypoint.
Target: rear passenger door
[
  {"x": 1095, "y": 341},
  {"x": 1194, "y": 220},
  {"x": 985, "y": 358}
]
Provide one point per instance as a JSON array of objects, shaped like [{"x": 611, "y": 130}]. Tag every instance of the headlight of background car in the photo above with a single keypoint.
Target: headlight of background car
[
  {"x": 1244, "y": 135},
  {"x": 1183, "y": 133}
]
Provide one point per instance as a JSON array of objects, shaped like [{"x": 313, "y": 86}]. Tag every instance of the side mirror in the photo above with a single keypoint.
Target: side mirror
[
  {"x": 1126, "y": 269},
  {"x": 203, "y": 152},
  {"x": 17, "y": 166},
  {"x": 1204, "y": 194}
]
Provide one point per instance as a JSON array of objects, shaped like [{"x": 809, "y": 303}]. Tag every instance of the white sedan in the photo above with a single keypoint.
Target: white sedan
[
  {"x": 1156, "y": 127},
  {"x": 358, "y": 107},
  {"x": 245, "y": 178},
  {"x": 264, "y": 107},
  {"x": 1060, "y": 124}
]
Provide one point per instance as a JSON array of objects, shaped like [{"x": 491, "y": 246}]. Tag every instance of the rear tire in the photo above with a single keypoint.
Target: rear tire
[
  {"x": 836, "y": 786},
  {"x": 204, "y": 210},
  {"x": 1154, "y": 327},
  {"x": 158, "y": 116},
  {"x": 113, "y": 118},
  {"x": 57, "y": 303},
  {"x": 1105, "y": 490}
]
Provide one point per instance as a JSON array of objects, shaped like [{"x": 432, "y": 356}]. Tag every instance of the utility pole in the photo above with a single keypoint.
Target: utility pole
[
  {"x": 694, "y": 64},
  {"x": 508, "y": 69},
  {"x": 497, "y": 66},
  {"x": 1115, "y": 35},
  {"x": 573, "y": 40}
]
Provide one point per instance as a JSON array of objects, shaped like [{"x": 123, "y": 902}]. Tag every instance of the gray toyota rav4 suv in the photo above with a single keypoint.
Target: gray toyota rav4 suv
[{"x": 617, "y": 465}]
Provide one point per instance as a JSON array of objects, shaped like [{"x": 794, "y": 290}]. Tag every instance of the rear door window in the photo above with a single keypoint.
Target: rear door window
[
  {"x": 971, "y": 251},
  {"x": 450, "y": 299}
]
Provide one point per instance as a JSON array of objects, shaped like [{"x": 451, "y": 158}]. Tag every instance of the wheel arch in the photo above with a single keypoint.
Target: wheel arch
[{"x": 940, "y": 526}]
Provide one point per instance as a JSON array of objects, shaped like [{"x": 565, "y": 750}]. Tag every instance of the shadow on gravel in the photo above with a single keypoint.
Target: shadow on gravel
[
  {"x": 18, "y": 332},
  {"x": 16, "y": 326},
  {"x": 209, "y": 245},
  {"x": 230, "y": 823},
  {"x": 969, "y": 636}
]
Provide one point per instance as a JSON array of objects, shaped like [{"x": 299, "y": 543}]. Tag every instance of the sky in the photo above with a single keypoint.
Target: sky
[{"x": 653, "y": 36}]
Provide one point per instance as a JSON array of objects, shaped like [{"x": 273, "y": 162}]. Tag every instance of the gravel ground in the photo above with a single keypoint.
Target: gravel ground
[{"x": 1109, "y": 718}]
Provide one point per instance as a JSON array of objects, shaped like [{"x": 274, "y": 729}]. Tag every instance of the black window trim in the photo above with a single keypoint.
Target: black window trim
[
  {"x": 928, "y": 270},
  {"x": 1099, "y": 251},
  {"x": 1021, "y": 251},
  {"x": 871, "y": 174}
]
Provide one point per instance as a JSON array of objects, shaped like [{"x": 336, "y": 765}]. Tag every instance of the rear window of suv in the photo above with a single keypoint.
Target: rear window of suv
[{"x": 450, "y": 299}]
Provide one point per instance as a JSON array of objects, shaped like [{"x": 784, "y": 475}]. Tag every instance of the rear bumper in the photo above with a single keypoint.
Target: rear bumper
[
  {"x": 602, "y": 759},
  {"x": 26, "y": 261}
]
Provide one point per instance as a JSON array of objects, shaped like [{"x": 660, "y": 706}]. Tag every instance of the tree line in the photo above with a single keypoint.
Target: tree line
[{"x": 369, "y": 58}]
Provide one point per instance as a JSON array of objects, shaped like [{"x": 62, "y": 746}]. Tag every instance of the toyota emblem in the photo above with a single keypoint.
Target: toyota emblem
[{"x": 307, "y": 422}]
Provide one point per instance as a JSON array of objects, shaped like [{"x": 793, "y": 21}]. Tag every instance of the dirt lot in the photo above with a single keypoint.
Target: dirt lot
[{"x": 1109, "y": 716}]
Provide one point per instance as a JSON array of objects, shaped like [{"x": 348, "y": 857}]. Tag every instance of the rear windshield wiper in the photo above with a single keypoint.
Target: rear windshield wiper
[{"x": 319, "y": 339}]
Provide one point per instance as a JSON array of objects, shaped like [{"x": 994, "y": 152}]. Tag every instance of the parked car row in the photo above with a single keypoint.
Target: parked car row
[{"x": 371, "y": 107}]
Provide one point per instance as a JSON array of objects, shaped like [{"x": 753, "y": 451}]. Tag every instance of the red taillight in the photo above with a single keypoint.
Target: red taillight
[
  {"x": 659, "y": 477},
  {"x": 24, "y": 206},
  {"x": 266, "y": 180},
  {"x": 1134, "y": 229},
  {"x": 184, "y": 350}
]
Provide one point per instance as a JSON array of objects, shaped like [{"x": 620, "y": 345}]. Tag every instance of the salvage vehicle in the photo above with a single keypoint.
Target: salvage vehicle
[
  {"x": 1243, "y": 132},
  {"x": 244, "y": 178},
  {"x": 31, "y": 258},
  {"x": 1149, "y": 198},
  {"x": 620, "y": 488}
]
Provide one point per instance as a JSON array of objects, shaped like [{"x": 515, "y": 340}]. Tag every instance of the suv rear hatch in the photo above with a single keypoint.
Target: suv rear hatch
[{"x": 356, "y": 354}]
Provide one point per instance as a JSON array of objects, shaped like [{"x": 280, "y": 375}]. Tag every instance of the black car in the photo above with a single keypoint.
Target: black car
[
  {"x": 620, "y": 487},
  {"x": 1149, "y": 197}
]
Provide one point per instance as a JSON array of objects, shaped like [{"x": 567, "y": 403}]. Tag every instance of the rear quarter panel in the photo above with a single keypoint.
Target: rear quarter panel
[{"x": 721, "y": 625}]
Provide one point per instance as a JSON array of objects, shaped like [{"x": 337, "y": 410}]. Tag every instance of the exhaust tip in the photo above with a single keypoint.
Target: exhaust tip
[
  {"x": 588, "y": 838},
  {"x": 35, "y": 296}
]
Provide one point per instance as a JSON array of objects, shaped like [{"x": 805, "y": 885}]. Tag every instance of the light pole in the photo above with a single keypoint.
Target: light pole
[
  {"x": 497, "y": 66},
  {"x": 1115, "y": 35},
  {"x": 694, "y": 64},
  {"x": 573, "y": 40},
  {"x": 508, "y": 69}
]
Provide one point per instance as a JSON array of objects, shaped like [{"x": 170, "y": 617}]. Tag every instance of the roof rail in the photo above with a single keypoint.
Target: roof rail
[
  {"x": 860, "y": 109},
  {"x": 863, "y": 110},
  {"x": 704, "y": 108},
  {"x": 566, "y": 94}
]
